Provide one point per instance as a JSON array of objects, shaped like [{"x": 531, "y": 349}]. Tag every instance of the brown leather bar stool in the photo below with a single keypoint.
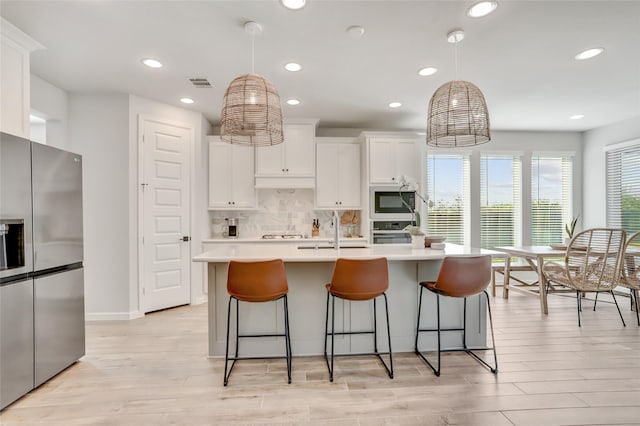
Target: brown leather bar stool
[
  {"x": 460, "y": 276},
  {"x": 256, "y": 282},
  {"x": 358, "y": 280}
]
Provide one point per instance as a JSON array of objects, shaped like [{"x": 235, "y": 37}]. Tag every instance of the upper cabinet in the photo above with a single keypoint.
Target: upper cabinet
[
  {"x": 15, "y": 79},
  {"x": 390, "y": 157},
  {"x": 231, "y": 175},
  {"x": 338, "y": 174},
  {"x": 292, "y": 163}
]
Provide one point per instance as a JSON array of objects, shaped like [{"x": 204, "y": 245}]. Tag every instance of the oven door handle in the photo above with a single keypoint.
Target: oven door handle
[{"x": 398, "y": 231}]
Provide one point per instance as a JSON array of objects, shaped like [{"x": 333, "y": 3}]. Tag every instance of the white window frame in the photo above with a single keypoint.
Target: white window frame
[
  {"x": 517, "y": 158},
  {"x": 567, "y": 193},
  {"x": 613, "y": 190},
  {"x": 465, "y": 156}
]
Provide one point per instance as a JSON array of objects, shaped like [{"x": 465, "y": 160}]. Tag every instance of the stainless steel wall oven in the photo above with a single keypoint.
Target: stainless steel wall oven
[{"x": 390, "y": 232}]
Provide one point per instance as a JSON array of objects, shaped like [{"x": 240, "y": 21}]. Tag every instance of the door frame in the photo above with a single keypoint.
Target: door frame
[{"x": 142, "y": 119}]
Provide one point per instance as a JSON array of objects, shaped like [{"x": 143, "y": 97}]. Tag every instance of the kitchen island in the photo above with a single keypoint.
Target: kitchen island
[{"x": 309, "y": 269}]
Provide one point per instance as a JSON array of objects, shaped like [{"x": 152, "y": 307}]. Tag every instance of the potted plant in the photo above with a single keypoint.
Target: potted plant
[
  {"x": 570, "y": 228},
  {"x": 417, "y": 236}
]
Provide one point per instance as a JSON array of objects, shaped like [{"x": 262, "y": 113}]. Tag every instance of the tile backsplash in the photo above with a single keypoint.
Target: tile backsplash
[{"x": 279, "y": 211}]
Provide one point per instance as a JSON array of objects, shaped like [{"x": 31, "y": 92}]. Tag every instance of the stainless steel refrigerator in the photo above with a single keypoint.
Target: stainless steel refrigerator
[{"x": 41, "y": 270}]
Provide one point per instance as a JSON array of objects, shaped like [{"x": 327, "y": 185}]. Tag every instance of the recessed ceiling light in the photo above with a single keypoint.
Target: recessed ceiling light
[
  {"x": 187, "y": 100},
  {"x": 395, "y": 105},
  {"x": 152, "y": 63},
  {"x": 292, "y": 66},
  {"x": 293, "y": 102},
  {"x": 427, "y": 71},
  {"x": 481, "y": 9},
  {"x": 589, "y": 53},
  {"x": 576, "y": 117},
  {"x": 294, "y": 4}
]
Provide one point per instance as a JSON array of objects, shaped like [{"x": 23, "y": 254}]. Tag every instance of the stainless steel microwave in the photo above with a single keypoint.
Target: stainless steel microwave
[{"x": 388, "y": 203}]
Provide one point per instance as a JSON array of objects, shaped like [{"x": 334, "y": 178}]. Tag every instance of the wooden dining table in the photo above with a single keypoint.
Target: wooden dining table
[{"x": 534, "y": 256}]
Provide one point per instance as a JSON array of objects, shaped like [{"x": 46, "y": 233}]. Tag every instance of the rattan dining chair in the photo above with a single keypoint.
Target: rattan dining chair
[
  {"x": 592, "y": 264},
  {"x": 631, "y": 269}
]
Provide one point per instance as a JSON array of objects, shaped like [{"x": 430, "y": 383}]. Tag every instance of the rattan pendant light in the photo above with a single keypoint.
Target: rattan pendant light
[
  {"x": 458, "y": 114},
  {"x": 251, "y": 112}
]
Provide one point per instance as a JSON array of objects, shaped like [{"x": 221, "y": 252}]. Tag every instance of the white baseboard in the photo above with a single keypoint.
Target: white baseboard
[
  {"x": 112, "y": 316},
  {"x": 199, "y": 300}
]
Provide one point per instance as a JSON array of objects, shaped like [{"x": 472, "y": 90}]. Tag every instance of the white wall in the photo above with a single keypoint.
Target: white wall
[
  {"x": 98, "y": 130},
  {"x": 103, "y": 129},
  {"x": 200, "y": 214},
  {"x": 594, "y": 206},
  {"x": 51, "y": 103}
]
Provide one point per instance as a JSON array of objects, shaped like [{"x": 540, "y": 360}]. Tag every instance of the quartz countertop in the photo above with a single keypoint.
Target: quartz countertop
[
  {"x": 281, "y": 240},
  {"x": 291, "y": 252}
]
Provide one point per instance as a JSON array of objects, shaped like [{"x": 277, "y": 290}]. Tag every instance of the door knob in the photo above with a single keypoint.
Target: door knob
[{"x": 186, "y": 238}]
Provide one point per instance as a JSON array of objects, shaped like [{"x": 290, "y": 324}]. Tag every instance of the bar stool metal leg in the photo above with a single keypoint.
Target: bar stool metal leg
[
  {"x": 333, "y": 333},
  {"x": 418, "y": 325},
  {"x": 375, "y": 327},
  {"x": 288, "y": 353},
  {"x": 237, "y": 328},
  {"x": 227, "y": 372},
  {"x": 257, "y": 282},
  {"x": 287, "y": 338},
  {"x": 493, "y": 369},
  {"x": 326, "y": 331},
  {"x": 390, "y": 369},
  {"x": 358, "y": 280},
  {"x": 436, "y": 370},
  {"x": 439, "y": 330},
  {"x": 493, "y": 336},
  {"x": 330, "y": 360}
]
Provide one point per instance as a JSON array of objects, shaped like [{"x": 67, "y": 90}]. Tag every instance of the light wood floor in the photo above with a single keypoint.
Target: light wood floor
[{"x": 154, "y": 371}]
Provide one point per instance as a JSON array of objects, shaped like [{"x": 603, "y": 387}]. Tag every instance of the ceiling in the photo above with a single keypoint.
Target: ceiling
[{"x": 521, "y": 56}]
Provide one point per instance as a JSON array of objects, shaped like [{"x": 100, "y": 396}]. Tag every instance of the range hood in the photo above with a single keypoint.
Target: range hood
[{"x": 277, "y": 182}]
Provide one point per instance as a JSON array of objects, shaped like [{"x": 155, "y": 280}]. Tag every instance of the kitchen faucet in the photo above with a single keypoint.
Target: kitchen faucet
[{"x": 336, "y": 230}]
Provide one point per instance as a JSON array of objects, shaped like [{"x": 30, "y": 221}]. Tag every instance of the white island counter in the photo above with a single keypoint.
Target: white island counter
[{"x": 308, "y": 270}]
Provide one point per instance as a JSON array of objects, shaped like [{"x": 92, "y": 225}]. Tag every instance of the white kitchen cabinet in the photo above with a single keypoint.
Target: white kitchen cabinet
[
  {"x": 392, "y": 157},
  {"x": 292, "y": 163},
  {"x": 338, "y": 175},
  {"x": 231, "y": 174},
  {"x": 15, "y": 104}
]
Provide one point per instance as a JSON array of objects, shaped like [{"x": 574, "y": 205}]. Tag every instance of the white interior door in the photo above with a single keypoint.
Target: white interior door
[{"x": 165, "y": 246}]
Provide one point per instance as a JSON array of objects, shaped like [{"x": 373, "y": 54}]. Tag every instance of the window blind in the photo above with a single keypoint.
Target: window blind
[
  {"x": 551, "y": 198},
  {"x": 500, "y": 205},
  {"x": 448, "y": 190},
  {"x": 623, "y": 188}
]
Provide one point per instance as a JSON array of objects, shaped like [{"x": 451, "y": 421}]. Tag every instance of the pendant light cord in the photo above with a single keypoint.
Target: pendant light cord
[
  {"x": 455, "y": 59},
  {"x": 253, "y": 47}
]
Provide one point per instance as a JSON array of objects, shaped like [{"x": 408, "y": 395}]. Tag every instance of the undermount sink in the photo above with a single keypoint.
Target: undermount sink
[{"x": 331, "y": 247}]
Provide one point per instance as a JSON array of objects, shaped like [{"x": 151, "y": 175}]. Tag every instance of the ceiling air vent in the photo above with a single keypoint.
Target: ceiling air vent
[{"x": 201, "y": 83}]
